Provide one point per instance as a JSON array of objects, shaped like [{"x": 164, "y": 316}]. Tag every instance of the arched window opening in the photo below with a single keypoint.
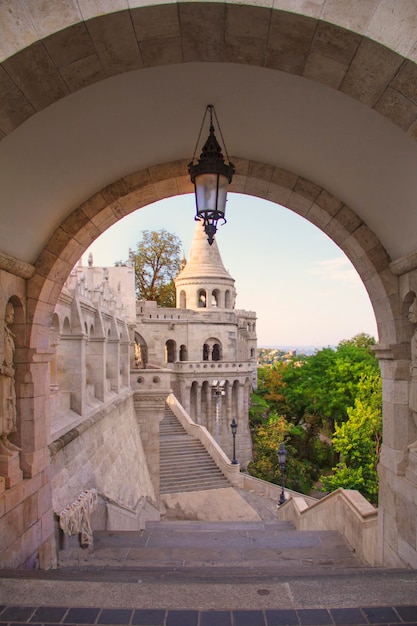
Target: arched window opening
[
  {"x": 193, "y": 401},
  {"x": 141, "y": 352},
  {"x": 205, "y": 352},
  {"x": 216, "y": 352},
  {"x": 183, "y": 300},
  {"x": 227, "y": 299},
  {"x": 66, "y": 329},
  {"x": 183, "y": 353},
  {"x": 202, "y": 299},
  {"x": 170, "y": 349},
  {"x": 206, "y": 405},
  {"x": 215, "y": 299}
]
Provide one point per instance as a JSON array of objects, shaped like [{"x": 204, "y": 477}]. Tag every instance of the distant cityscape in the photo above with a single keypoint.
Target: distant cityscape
[{"x": 268, "y": 355}]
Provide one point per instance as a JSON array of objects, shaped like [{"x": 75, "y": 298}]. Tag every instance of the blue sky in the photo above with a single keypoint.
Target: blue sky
[{"x": 301, "y": 285}]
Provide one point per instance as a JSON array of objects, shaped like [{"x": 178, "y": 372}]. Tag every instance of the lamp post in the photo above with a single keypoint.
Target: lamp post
[
  {"x": 282, "y": 454},
  {"x": 218, "y": 392},
  {"x": 211, "y": 177},
  {"x": 233, "y": 426}
]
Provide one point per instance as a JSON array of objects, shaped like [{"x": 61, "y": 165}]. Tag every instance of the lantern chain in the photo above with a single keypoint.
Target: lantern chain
[
  {"x": 199, "y": 134},
  {"x": 221, "y": 134},
  {"x": 212, "y": 110}
]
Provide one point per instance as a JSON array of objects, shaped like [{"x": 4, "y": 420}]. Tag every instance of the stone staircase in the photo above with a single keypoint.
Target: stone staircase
[
  {"x": 234, "y": 545},
  {"x": 185, "y": 464},
  {"x": 216, "y": 548}
]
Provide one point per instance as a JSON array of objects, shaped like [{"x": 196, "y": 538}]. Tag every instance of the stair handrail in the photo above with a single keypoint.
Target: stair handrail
[
  {"x": 230, "y": 470},
  {"x": 343, "y": 510}
]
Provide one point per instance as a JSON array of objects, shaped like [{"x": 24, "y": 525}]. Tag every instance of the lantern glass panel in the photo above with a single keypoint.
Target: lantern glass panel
[{"x": 211, "y": 190}]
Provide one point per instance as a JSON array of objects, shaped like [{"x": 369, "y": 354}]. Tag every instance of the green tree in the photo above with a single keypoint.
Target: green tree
[
  {"x": 267, "y": 438},
  {"x": 157, "y": 261},
  {"x": 322, "y": 387},
  {"x": 358, "y": 440},
  {"x": 313, "y": 394}
]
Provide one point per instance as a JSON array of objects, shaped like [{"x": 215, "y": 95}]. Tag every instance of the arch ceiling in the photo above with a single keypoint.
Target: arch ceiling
[{"x": 86, "y": 100}]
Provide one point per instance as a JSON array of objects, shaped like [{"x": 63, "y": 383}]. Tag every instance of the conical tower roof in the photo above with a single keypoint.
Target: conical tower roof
[{"x": 205, "y": 260}]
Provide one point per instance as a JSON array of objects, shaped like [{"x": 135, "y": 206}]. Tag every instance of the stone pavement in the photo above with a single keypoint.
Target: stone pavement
[
  {"x": 168, "y": 599},
  {"x": 205, "y": 574}
]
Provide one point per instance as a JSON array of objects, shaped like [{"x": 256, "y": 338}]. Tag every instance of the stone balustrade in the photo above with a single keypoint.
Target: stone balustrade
[{"x": 344, "y": 510}]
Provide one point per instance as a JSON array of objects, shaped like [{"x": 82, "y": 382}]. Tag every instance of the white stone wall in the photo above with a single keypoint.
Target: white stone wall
[{"x": 106, "y": 453}]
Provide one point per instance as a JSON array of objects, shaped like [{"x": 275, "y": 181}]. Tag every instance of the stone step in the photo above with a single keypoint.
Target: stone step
[
  {"x": 186, "y": 444},
  {"x": 185, "y": 470},
  {"x": 192, "y": 486},
  {"x": 187, "y": 458},
  {"x": 191, "y": 467},
  {"x": 195, "y": 474},
  {"x": 274, "y": 548},
  {"x": 166, "y": 429},
  {"x": 185, "y": 464}
]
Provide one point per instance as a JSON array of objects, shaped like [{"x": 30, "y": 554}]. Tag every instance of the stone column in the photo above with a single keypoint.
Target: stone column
[
  {"x": 37, "y": 543},
  {"x": 113, "y": 364},
  {"x": 198, "y": 405},
  {"x": 186, "y": 396},
  {"x": 397, "y": 509},
  {"x": 72, "y": 370},
  {"x": 149, "y": 410},
  {"x": 151, "y": 389},
  {"x": 229, "y": 404},
  {"x": 124, "y": 363},
  {"x": 96, "y": 366}
]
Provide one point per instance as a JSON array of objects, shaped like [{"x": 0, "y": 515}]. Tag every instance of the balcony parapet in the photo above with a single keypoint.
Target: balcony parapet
[{"x": 204, "y": 367}]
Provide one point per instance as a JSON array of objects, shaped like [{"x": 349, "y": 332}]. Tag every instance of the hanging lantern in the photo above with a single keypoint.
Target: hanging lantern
[{"x": 211, "y": 177}]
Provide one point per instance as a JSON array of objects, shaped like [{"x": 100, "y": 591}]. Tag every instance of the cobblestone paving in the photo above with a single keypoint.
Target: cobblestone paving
[{"x": 53, "y": 615}]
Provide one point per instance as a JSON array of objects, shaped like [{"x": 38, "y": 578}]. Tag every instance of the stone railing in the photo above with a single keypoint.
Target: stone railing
[
  {"x": 344, "y": 510},
  {"x": 269, "y": 490},
  {"x": 232, "y": 472},
  {"x": 153, "y": 379},
  {"x": 232, "y": 367}
]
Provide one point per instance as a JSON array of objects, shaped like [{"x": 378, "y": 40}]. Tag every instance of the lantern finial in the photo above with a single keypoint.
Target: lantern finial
[{"x": 211, "y": 177}]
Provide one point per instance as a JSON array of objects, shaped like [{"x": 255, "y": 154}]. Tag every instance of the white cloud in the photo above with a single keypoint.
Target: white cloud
[{"x": 336, "y": 269}]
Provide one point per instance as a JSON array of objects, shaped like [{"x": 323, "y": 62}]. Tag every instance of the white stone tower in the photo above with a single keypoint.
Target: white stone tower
[{"x": 204, "y": 283}]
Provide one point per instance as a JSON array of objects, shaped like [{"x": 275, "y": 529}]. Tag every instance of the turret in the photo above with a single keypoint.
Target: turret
[{"x": 204, "y": 283}]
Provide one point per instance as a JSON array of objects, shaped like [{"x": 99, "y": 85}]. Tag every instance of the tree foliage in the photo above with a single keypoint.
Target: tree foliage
[
  {"x": 267, "y": 438},
  {"x": 333, "y": 391},
  {"x": 358, "y": 440},
  {"x": 157, "y": 261},
  {"x": 325, "y": 384}
]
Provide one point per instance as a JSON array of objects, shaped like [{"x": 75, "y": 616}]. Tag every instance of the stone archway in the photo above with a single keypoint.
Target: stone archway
[
  {"x": 316, "y": 204},
  {"x": 45, "y": 60},
  {"x": 304, "y": 197},
  {"x": 45, "y": 56}
]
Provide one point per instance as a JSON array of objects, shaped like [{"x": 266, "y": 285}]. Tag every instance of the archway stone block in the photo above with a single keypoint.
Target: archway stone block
[
  {"x": 33, "y": 71},
  {"x": 278, "y": 194},
  {"x": 370, "y": 72},
  {"x": 398, "y": 108},
  {"x": 155, "y": 22}
]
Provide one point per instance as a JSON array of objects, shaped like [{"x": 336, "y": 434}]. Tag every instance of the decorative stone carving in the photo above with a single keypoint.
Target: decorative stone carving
[
  {"x": 75, "y": 519},
  {"x": 412, "y": 398},
  {"x": 9, "y": 453},
  {"x": 7, "y": 386},
  {"x": 16, "y": 266},
  {"x": 411, "y": 465}
]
